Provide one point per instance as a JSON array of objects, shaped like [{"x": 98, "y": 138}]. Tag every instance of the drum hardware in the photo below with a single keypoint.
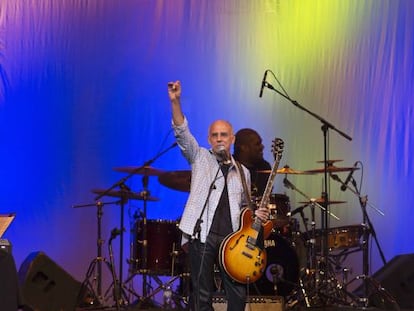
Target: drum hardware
[
  {"x": 321, "y": 201},
  {"x": 367, "y": 229},
  {"x": 93, "y": 279},
  {"x": 125, "y": 194},
  {"x": 318, "y": 285},
  {"x": 162, "y": 260},
  {"x": 311, "y": 201}
]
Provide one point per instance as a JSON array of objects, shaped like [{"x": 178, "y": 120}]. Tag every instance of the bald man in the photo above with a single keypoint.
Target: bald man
[{"x": 213, "y": 208}]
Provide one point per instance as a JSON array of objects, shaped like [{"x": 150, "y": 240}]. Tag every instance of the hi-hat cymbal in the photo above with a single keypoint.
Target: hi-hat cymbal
[
  {"x": 139, "y": 170},
  {"x": 125, "y": 194},
  {"x": 321, "y": 201},
  {"x": 332, "y": 169},
  {"x": 177, "y": 180}
]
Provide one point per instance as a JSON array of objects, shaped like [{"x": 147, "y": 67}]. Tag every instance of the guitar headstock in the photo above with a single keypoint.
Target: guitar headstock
[{"x": 277, "y": 148}]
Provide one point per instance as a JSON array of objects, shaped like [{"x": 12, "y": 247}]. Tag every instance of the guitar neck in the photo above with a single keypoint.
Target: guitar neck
[
  {"x": 277, "y": 149},
  {"x": 266, "y": 194}
]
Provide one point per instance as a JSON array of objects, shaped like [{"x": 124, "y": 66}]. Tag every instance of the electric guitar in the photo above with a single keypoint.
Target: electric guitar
[{"x": 241, "y": 255}]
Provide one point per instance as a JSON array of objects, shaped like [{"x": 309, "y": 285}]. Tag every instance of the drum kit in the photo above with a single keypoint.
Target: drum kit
[{"x": 296, "y": 268}]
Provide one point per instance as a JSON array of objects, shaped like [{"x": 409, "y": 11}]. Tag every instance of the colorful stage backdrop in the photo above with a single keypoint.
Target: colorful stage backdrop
[{"x": 83, "y": 90}]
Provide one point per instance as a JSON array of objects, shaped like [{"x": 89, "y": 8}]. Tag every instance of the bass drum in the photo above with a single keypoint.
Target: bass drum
[{"x": 281, "y": 276}]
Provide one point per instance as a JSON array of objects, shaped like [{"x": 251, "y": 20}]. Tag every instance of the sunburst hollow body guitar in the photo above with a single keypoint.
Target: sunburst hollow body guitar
[{"x": 241, "y": 255}]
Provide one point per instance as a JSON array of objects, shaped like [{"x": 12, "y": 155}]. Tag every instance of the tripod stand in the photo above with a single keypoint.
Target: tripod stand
[
  {"x": 368, "y": 229},
  {"x": 93, "y": 280},
  {"x": 317, "y": 286}
]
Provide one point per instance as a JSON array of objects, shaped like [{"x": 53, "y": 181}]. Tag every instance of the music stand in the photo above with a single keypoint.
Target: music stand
[{"x": 5, "y": 221}]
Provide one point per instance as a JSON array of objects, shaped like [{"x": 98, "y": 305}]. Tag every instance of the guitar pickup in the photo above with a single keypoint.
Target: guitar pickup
[{"x": 247, "y": 255}]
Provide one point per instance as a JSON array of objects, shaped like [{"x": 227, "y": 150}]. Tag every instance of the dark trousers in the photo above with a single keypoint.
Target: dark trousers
[{"x": 203, "y": 257}]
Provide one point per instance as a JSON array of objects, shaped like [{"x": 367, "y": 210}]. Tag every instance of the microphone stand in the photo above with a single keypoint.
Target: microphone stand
[
  {"x": 368, "y": 228},
  {"x": 116, "y": 293},
  {"x": 197, "y": 227},
  {"x": 197, "y": 230},
  {"x": 325, "y": 127},
  {"x": 121, "y": 183}
]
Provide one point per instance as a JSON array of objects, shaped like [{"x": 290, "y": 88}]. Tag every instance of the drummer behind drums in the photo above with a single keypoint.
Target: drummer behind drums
[{"x": 248, "y": 150}]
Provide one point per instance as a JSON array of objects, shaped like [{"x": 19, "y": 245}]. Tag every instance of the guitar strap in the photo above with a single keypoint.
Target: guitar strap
[{"x": 246, "y": 190}]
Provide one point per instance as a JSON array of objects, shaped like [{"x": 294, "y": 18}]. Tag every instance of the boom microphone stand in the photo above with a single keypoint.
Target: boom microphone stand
[{"x": 325, "y": 127}]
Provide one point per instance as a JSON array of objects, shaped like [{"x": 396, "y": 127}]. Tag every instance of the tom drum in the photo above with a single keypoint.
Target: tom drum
[{"x": 162, "y": 246}]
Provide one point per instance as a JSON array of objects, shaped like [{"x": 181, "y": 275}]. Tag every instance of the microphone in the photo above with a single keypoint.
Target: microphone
[
  {"x": 114, "y": 233},
  {"x": 223, "y": 155},
  {"x": 296, "y": 210},
  {"x": 288, "y": 184},
  {"x": 263, "y": 84},
  {"x": 348, "y": 179}
]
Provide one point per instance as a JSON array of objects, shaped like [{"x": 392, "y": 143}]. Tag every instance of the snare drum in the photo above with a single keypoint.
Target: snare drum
[{"x": 341, "y": 237}]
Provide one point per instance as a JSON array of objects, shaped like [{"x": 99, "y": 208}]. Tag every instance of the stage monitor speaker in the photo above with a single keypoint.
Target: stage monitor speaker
[
  {"x": 256, "y": 303},
  {"x": 397, "y": 277},
  {"x": 46, "y": 286},
  {"x": 10, "y": 298}
]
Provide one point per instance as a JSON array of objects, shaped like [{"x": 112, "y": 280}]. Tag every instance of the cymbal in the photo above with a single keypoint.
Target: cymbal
[
  {"x": 285, "y": 170},
  {"x": 139, "y": 170},
  {"x": 321, "y": 201},
  {"x": 177, "y": 180},
  {"x": 332, "y": 169},
  {"x": 125, "y": 194}
]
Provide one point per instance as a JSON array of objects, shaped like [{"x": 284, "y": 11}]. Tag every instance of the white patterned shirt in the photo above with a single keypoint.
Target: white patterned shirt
[{"x": 204, "y": 167}]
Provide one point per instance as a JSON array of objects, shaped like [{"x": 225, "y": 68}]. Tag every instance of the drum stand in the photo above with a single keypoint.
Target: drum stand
[
  {"x": 171, "y": 298},
  {"x": 318, "y": 286},
  {"x": 144, "y": 298},
  {"x": 368, "y": 228},
  {"x": 94, "y": 273},
  {"x": 147, "y": 293}
]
